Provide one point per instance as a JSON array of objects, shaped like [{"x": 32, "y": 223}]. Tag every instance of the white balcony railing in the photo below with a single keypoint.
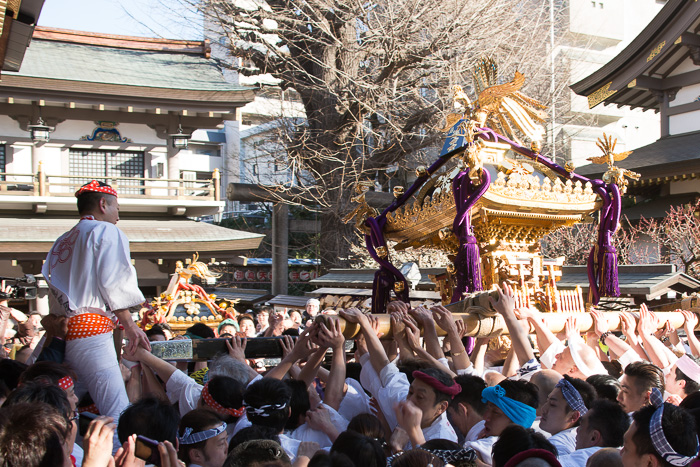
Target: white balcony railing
[{"x": 42, "y": 184}]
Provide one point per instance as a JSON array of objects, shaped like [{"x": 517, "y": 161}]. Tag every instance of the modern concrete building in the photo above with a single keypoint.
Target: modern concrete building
[{"x": 588, "y": 34}]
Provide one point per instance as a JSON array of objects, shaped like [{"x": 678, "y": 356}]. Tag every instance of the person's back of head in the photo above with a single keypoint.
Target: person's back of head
[
  {"x": 521, "y": 391},
  {"x": 325, "y": 459},
  {"x": 258, "y": 453},
  {"x": 610, "y": 420},
  {"x": 32, "y": 435},
  {"x": 90, "y": 195},
  {"x": 253, "y": 432},
  {"x": 225, "y": 396},
  {"x": 409, "y": 365},
  {"x": 606, "y": 457},
  {"x": 613, "y": 368},
  {"x": 267, "y": 403},
  {"x": 646, "y": 376},
  {"x": 606, "y": 386},
  {"x": 150, "y": 417},
  {"x": 156, "y": 333},
  {"x": 367, "y": 424},
  {"x": 46, "y": 370},
  {"x": 437, "y": 444},
  {"x": 40, "y": 391},
  {"x": 299, "y": 403},
  {"x": 545, "y": 380},
  {"x": 225, "y": 365},
  {"x": 11, "y": 371},
  {"x": 416, "y": 458},
  {"x": 362, "y": 450},
  {"x": 200, "y": 331},
  {"x": 678, "y": 428},
  {"x": 472, "y": 386},
  {"x": 515, "y": 439},
  {"x": 691, "y": 402}
]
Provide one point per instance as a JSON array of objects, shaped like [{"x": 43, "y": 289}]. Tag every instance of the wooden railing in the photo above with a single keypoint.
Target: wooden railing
[{"x": 42, "y": 184}]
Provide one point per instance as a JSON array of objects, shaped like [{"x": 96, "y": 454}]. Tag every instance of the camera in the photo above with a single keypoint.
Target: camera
[{"x": 22, "y": 287}]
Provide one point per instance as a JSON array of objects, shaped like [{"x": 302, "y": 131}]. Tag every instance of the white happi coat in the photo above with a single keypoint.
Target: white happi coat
[{"x": 89, "y": 270}]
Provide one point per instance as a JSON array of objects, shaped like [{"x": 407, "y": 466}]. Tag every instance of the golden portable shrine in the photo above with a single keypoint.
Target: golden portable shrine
[
  {"x": 184, "y": 303},
  {"x": 487, "y": 201}
]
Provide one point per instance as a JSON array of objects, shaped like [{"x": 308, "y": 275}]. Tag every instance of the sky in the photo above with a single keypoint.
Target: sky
[{"x": 148, "y": 18}]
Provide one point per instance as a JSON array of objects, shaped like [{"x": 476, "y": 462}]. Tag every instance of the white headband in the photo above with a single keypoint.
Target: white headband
[
  {"x": 598, "y": 368},
  {"x": 689, "y": 368}
]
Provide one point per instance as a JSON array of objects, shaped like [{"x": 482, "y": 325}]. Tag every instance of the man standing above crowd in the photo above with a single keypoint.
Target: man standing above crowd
[{"x": 93, "y": 283}]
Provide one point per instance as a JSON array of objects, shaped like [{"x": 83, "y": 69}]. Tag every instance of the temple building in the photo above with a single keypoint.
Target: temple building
[
  {"x": 658, "y": 71},
  {"x": 141, "y": 114}
]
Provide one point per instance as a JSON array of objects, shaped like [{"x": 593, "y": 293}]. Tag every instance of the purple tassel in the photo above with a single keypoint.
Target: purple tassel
[
  {"x": 468, "y": 267},
  {"x": 609, "y": 283},
  {"x": 469, "y": 344},
  {"x": 381, "y": 290}
]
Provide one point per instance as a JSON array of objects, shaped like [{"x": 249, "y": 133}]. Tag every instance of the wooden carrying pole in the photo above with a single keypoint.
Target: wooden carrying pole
[{"x": 487, "y": 326}]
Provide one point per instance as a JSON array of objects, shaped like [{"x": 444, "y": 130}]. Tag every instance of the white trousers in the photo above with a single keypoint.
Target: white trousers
[{"x": 94, "y": 361}]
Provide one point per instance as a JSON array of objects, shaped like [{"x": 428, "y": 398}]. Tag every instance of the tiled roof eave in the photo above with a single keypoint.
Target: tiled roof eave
[{"x": 49, "y": 86}]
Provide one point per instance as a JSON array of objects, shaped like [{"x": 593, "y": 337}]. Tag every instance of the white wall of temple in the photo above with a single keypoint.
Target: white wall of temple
[
  {"x": 685, "y": 186},
  {"x": 687, "y": 95},
  {"x": 684, "y": 123}
]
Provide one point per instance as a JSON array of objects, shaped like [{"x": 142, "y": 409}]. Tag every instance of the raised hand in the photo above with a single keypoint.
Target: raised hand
[
  {"x": 600, "y": 322},
  {"x": 331, "y": 337},
  {"x": 307, "y": 449},
  {"x": 422, "y": 316},
  {"x": 137, "y": 338},
  {"x": 236, "y": 348},
  {"x": 461, "y": 327},
  {"x": 627, "y": 324},
  {"x": 571, "y": 327},
  {"x": 646, "y": 325},
  {"x": 505, "y": 304},
  {"x": 691, "y": 321},
  {"x": 412, "y": 333},
  {"x": 352, "y": 315},
  {"x": 287, "y": 344},
  {"x": 397, "y": 306},
  {"x": 408, "y": 415},
  {"x": 445, "y": 320},
  {"x": 98, "y": 442},
  {"x": 55, "y": 326}
]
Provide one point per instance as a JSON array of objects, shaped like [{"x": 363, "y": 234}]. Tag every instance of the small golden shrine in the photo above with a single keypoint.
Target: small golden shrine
[{"x": 184, "y": 303}]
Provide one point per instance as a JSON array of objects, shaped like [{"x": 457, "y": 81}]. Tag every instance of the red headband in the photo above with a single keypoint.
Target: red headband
[
  {"x": 96, "y": 187},
  {"x": 451, "y": 391},
  {"x": 65, "y": 383},
  {"x": 209, "y": 400}
]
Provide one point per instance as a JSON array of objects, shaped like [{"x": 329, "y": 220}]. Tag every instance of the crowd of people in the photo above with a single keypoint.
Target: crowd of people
[
  {"x": 414, "y": 398},
  {"x": 627, "y": 398}
]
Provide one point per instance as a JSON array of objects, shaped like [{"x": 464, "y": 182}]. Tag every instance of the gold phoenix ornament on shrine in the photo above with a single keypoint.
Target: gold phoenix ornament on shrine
[{"x": 616, "y": 175}]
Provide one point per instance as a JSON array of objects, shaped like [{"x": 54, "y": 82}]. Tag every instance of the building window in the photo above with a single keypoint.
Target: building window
[
  {"x": 2, "y": 162},
  {"x": 109, "y": 165}
]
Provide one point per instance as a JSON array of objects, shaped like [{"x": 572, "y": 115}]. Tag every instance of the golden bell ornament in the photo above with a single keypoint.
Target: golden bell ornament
[
  {"x": 398, "y": 191},
  {"x": 398, "y": 287},
  {"x": 421, "y": 171}
]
